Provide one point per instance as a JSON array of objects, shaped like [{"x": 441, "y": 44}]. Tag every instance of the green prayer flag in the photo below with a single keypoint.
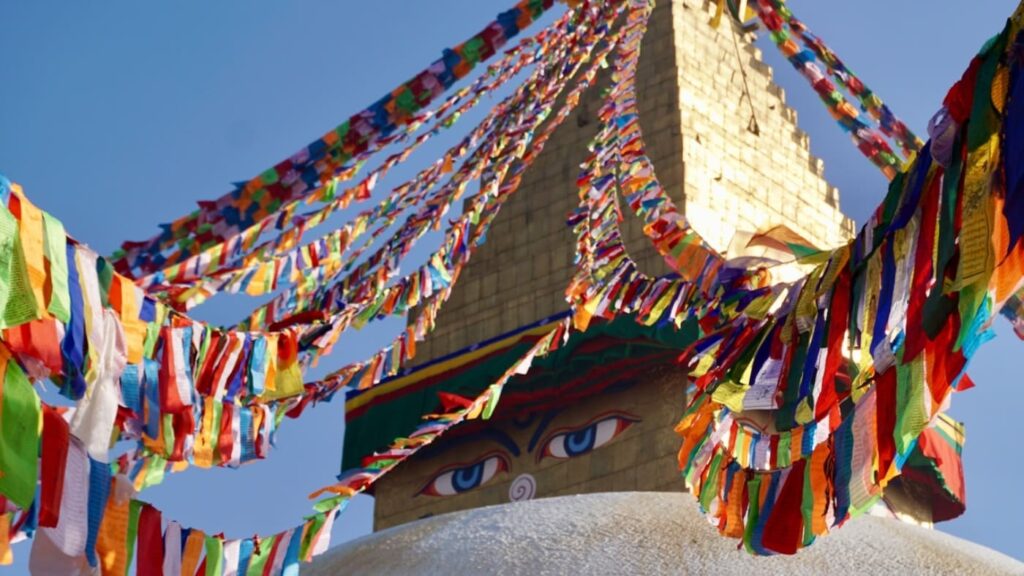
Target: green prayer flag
[
  {"x": 155, "y": 471},
  {"x": 314, "y": 524},
  {"x": 55, "y": 245},
  {"x": 710, "y": 489},
  {"x": 19, "y": 437},
  {"x": 17, "y": 302},
  {"x": 492, "y": 402},
  {"x": 258, "y": 560},
  {"x": 911, "y": 415},
  {"x": 134, "y": 511},
  {"x": 807, "y": 506},
  {"x": 105, "y": 275},
  {"x": 753, "y": 512},
  {"x": 327, "y": 504},
  {"x": 214, "y": 556}
]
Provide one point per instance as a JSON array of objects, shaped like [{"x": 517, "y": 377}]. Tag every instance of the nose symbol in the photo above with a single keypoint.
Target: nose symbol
[{"x": 524, "y": 487}]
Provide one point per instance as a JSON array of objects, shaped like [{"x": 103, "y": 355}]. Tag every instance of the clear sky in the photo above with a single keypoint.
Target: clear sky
[{"x": 117, "y": 116}]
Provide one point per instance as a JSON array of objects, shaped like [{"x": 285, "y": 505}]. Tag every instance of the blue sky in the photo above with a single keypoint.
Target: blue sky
[{"x": 116, "y": 117}]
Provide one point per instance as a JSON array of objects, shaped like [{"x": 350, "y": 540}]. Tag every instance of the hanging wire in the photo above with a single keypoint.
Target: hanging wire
[{"x": 752, "y": 125}]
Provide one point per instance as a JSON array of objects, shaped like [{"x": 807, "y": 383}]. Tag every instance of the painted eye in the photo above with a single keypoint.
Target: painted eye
[
  {"x": 572, "y": 443},
  {"x": 465, "y": 478}
]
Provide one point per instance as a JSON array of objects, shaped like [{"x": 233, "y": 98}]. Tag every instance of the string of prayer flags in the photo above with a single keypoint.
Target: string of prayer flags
[
  {"x": 365, "y": 374},
  {"x": 871, "y": 143},
  {"x": 319, "y": 162},
  {"x": 870, "y": 102},
  {"x": 202, "y": 260},
  {"x": 319, "y": 263},
  {"x": 135, "y": 368},
  {"x": 382, "y": 365}
]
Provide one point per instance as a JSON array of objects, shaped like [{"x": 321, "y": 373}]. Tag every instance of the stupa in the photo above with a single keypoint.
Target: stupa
[
  {"x": 587, "y": 435},
  {"x": 598, "y": 414}
]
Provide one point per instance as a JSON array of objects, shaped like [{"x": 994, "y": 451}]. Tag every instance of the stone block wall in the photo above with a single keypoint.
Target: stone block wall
[
  {"x": 695, "y": 115},
  {"x": 736, "y": 179}
]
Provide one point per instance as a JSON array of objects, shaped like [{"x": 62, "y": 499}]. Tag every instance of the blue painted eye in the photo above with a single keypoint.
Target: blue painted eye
[
  {"x": 580, "y": 441},
  {"x": 577, "y": 442},
  {"x": 465, "y": 478}
]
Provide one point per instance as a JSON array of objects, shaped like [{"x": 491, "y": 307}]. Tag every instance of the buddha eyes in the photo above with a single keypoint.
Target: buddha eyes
[
  {"x": 571, "y": 443},
  {"x": 463, "y": 478},
  {"x": 561, "y": 444}
]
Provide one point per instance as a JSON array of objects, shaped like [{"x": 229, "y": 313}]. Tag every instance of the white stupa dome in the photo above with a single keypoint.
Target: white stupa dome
[{"x": 640, "y": 533}]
